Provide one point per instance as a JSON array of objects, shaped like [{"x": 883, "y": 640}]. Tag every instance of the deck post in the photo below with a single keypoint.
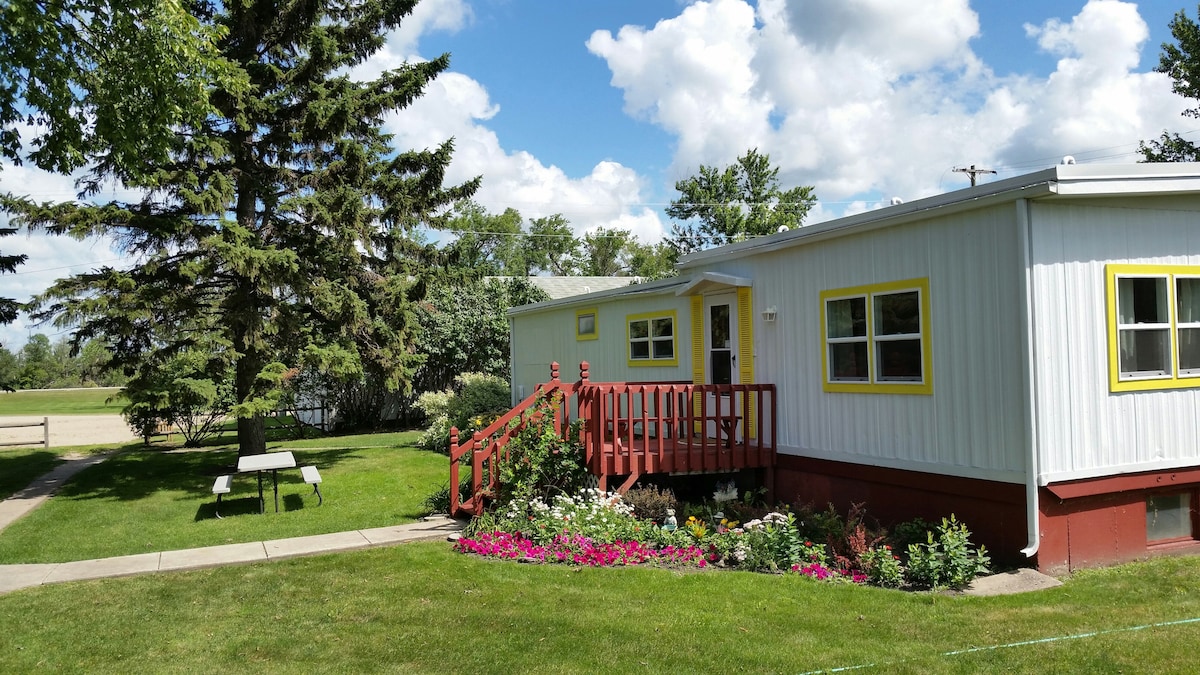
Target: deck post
[
  {"x": 554, "y": 371},
  {"x": 453, "y": 471},
  {"x": 584, "y": 367},
  {"x": 477, "y": 472}
]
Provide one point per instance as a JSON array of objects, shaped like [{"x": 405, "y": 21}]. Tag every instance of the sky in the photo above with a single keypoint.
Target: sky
[{"x": 595, "y": 109}]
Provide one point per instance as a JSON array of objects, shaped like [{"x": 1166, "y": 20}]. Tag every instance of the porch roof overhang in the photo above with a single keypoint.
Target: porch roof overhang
[{"x": 709, "y": 282}]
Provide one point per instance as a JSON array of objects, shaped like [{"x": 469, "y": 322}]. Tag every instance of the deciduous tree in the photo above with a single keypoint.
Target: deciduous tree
[
  {"x": 1181, "y": 62},
  {"x": 97, "y": 80},
  {"x": 724, "y": 205}
]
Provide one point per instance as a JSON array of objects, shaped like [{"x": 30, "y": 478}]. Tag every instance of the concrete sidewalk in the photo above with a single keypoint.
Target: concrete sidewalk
[
  {"x": 41, "y": 489},
  {"x": 13, "y": 577}
]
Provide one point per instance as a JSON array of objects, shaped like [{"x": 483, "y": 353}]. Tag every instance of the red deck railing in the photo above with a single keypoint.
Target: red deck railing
[{"x": 635, "y": 428}]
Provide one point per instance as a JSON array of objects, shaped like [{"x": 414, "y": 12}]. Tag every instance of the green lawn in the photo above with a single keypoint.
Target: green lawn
[
  {"x": 20, "y": 466},
  {"x": 59, "y": 402},
  {"x": 422, "y": 608},
  {"x": 143, "y": 500}
]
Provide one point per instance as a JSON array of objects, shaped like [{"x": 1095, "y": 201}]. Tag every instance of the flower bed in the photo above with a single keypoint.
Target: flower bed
[{"x": 597, "y": 529}]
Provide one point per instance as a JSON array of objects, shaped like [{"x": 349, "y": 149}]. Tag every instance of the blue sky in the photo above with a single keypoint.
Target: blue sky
[{"x": 595, "y": 109}]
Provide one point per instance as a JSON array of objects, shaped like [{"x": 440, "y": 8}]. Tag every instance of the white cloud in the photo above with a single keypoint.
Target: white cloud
[
  {"x": 457, "y": 106},
  {"x": 448, "y": 16},
  {"x": 882, "y": 97}
]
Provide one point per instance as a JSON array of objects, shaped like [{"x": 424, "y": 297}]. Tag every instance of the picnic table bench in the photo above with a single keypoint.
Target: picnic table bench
[{"x": 273, "y": 462}]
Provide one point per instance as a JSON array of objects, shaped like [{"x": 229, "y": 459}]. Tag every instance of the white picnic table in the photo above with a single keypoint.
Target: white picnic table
[{"x": 271, "y": 461}]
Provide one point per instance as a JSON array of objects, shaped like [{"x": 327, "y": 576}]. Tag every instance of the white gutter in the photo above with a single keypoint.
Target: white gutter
[{"x": 1028, "y": 346}]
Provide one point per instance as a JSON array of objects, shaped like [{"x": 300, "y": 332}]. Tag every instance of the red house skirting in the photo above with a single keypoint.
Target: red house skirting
[
  {"x": 1102, "y": 521},
  {"x": 1083, "y": 523},
  {"x": 994, "y": 512}
]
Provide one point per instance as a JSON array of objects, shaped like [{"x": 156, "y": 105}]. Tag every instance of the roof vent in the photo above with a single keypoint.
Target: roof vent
[
  {"x": 1068, "y": 159},
  {"x": 896, "y": 201}
]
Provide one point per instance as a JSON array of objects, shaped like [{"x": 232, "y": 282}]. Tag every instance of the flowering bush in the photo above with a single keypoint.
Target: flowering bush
[
  {"x": 577, "y": 550},
  {"x": 599, "y": 516},
  {"x": 770, "y": 545},
  {"x": 822, "y": 573}
]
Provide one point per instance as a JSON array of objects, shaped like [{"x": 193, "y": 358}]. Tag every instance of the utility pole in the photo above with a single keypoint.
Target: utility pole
[{"x": 973, "y": 172}]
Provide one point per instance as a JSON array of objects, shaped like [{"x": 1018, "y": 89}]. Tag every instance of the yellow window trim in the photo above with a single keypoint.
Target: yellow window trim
[
  {"x": 1171, "y": 381},
  {"x": 925, "y": 386},
  {"x": 595, "y": 334},
  {"x": 650, "y": 316}
]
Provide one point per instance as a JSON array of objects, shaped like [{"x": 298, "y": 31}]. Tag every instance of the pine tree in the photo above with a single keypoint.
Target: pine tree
[
  {"x": 278, "y": 231},
  {"x": 8, "y": 263}
]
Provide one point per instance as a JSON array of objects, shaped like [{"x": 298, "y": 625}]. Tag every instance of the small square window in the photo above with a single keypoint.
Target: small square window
[
  {"x": 1168, "y": 517},
  {"x": 585, "y": 325}
]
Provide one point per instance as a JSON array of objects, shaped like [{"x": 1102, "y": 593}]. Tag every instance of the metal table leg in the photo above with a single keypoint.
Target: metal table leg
[
  {"x": 262, "y": 505},
  {"x": 275, "y": 482}
]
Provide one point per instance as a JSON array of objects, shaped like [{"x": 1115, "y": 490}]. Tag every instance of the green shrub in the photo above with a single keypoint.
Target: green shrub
[
  {"x": 882, "y": 567},
  {"x": 476, "y": 400},
  {"x": 909, "y": 532},
  {"x": 947, "y": 560},
  {"x": 539, "y": 461}
]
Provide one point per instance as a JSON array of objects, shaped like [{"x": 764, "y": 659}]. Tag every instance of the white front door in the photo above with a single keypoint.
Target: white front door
[{"x": 720, "y": 350}]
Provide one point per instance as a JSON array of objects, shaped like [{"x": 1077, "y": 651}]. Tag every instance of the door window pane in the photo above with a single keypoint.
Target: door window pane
[{"x": 719, "y": 327}]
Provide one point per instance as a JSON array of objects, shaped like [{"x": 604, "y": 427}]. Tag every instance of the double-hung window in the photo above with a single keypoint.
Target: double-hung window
[
  {"x": 876, "y": 338},
  {"x": 1154, "y": 326},
  {"x": 652, "y": 339}
]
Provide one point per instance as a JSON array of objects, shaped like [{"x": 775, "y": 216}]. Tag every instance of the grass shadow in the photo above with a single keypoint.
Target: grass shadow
[
  {"x": 134, "y": 475},
  {"x": 19, "y": 468},
  {"x": 229, "y": 508}
]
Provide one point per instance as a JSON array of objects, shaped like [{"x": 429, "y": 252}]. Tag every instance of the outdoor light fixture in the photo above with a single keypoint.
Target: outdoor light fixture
[{"x": 769, "y": 314}]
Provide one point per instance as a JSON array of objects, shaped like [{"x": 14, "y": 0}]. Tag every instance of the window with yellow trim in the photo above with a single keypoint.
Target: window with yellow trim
[
  {"x": 652, "y": 339},
  {"x": 875, "y": 338},
  {"x": 1154, "y": 326},
  {"x": 586, "y": 327}
]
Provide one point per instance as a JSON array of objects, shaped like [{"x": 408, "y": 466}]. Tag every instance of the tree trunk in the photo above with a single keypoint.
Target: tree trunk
[{"x": 251, "y": 431}]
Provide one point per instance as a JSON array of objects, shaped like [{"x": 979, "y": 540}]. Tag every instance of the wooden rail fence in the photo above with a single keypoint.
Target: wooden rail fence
[{"x": 45, "y": 424}]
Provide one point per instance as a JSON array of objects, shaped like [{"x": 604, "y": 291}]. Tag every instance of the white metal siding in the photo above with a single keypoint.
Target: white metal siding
[
  {"x": 973, "y": 424},
  {"x": 1084, "y": 429},
  {"x": 542, "y": 337}
]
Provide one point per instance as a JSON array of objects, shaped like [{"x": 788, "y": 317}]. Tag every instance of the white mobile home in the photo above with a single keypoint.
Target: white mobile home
[{"x": 1025, "y": 354}]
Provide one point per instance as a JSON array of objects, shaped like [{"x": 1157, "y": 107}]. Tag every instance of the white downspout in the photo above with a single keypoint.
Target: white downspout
[
  {"x": 512, "y": 364},
  {"x": 1029, "y": 347}
]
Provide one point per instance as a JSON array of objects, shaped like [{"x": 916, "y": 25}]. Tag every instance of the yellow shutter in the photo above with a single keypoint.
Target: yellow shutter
[{"x": 746, "y": 352}]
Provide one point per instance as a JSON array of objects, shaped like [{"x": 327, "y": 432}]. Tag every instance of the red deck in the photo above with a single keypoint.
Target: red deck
[{"x": 631, "y": 429}]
